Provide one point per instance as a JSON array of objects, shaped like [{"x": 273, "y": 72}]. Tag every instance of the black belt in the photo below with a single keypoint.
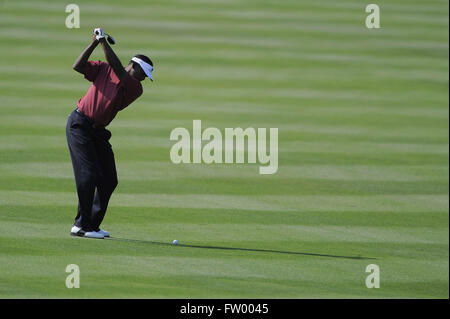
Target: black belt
[{"x": 93, "y": 124}]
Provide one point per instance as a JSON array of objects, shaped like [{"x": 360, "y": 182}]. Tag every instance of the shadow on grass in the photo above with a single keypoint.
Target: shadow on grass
[{"x": 240, "y": 249}]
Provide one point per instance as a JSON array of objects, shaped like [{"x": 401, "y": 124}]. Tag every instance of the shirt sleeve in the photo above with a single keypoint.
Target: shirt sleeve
[
  {"x": 91, "y": 70},
  {"x": 132, "y": 90}
]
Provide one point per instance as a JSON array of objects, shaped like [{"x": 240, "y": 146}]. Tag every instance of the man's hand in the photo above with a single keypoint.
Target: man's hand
[{"x": 99, "y": 34}]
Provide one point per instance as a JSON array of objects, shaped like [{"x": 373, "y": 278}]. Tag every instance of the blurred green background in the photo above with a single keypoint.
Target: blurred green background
[{"x": 363, "y": 151}]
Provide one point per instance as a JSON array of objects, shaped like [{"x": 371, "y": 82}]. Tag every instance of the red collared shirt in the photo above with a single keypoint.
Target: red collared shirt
[{"x": 107, "y": 95}]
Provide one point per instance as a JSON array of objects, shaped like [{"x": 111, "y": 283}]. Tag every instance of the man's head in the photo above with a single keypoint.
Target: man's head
[{"x": 140, "y": 67}]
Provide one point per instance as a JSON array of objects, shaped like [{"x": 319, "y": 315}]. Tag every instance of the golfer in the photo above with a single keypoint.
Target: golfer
[{"x": 113, "y": 89}]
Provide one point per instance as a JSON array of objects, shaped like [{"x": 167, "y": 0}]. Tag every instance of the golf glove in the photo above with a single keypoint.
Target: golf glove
[{"x": 99, "y": 33}]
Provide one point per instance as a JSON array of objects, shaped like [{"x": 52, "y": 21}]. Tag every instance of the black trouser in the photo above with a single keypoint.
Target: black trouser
[{"x": 94, "y": 168}]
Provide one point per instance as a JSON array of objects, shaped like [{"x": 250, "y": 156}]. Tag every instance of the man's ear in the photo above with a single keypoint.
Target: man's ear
[{"x": 131, "y": 67}]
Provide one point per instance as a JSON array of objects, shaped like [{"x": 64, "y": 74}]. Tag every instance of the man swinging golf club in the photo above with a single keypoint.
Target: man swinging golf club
[{"x": 113, "y": 89}]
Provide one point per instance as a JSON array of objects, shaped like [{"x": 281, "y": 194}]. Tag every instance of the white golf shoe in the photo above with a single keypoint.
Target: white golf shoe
[
  {"x": 77, "y": 231},
  {"x": 103, "y": 232}
]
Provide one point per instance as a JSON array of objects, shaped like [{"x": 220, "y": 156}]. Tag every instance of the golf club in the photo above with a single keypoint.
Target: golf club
[{"x": 110, "y": 39}]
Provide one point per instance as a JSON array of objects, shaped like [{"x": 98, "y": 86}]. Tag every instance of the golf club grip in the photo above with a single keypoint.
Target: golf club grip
[{"x": 110, "y": 39}]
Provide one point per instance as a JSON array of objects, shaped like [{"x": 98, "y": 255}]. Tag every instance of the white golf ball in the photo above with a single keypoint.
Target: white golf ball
[{"x": 175, "y": 242}]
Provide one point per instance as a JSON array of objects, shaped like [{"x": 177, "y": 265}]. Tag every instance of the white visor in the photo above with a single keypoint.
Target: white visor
[{"x": 145, "y": 66}]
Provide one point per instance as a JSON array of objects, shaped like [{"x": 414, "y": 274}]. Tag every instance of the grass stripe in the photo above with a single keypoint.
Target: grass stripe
[{"x": 413, "y": 203}]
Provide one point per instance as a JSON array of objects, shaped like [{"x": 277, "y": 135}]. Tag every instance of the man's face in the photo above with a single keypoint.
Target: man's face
[{"x": 138, "y": 73}]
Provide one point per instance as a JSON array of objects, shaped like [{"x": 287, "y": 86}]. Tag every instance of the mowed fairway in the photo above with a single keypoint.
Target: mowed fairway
[{"x": 363, "y": 151}]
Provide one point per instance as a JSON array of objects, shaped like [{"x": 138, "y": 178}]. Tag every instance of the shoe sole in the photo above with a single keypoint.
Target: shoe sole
[
  {"x": 107, "y": 235},
  {"x": 84, "y": 236}
]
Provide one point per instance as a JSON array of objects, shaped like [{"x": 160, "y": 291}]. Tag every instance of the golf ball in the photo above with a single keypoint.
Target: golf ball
[{"x": 175, "y": 242}]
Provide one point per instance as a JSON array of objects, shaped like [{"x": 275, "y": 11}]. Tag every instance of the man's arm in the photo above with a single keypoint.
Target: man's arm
[
  {"x": 113, "y": 60},
  {"x": 80, "y": 63}
]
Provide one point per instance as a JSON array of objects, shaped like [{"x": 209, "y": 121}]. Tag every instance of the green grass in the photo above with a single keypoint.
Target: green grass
[{"x": 363, "y": 151}]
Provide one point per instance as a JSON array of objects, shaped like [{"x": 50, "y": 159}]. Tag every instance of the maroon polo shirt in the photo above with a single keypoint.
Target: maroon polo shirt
[{"x": 107, "y": 95}]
